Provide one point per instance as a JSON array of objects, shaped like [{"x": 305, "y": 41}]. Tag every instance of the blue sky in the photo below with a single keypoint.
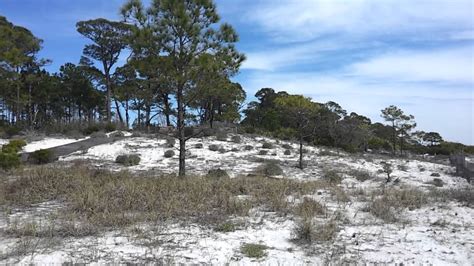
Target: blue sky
[{"x": 365, "y": 55}]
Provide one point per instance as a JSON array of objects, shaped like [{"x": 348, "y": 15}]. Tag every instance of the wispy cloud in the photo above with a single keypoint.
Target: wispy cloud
[{"x": 290, "y": 20}]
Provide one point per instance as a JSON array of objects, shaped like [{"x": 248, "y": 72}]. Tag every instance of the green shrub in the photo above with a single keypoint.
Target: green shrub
[
  {"x": 9, "y": 160},
  {"x": 226, "y": 227},
  {"x": 287, "y": 146},
  {"x": 170, "y": 142},
  {"x": 91, "y": 129},
  {"x": 437, "y": 182},
  {"x": 285, "y": 133},
  {"x": 361, "y": 175},
  {"x": 308, "y": 208},
  {"x": 271, "y": 169},
  {"x": 332, "y": 177},
  {"x": 435, "y": 174},
  {"x": 42, "y": 156},
  {"x": 110, "y": 127},
  {"x": 198, "y": 146},
  {"x": 221, "y": 136},
  {"x": 267, "y": 145},
  {"x": 378, "y": 144},
  {"x": 14, "y": 146},
  {"x": 222, "y": 150},
  {"x": 128, "y": 159},
  {"x": 262, "y": 152},
  {"x": 217, "y": 173},
  {"x": 248, "y": 147},
  {"x": 287, "y": 152},
  {"x": 214, "y": 147},
  {"x": 236, "y": 139},
  {"x": 254, "y": 250},
  {"x": 169, "y": 153}
]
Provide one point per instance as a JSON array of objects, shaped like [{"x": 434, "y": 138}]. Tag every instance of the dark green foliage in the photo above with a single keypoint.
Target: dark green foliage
[
  {"x": 14, "y": 146},
  {"x": 253, "y": 250},
  {"x": 217, "y": 173},
  {"x": 170, "y": 142},
  {"x": 42, "y": 156},
  {"x": 287, "y": 146},
  {"x": 214, "y": 147},
  {"x": 169, "y": 153},
  {"x": 109, "y": 127},
  {"x": 198, "y": 146},
  {"x": 267, "y": 145},
  {"x": 435, "y": 174},
  {"x": 128, "y": 159},
  {"x": 91, "y": 129},
  {"x": 287, "y": 152},
  {"x": 236, "y": 139},
  {"x": 9, "y": 160},
  {"x": 263, "y": 152},
  {"x": 248, "y": 147},
  {"x": 271, "y": 169}
]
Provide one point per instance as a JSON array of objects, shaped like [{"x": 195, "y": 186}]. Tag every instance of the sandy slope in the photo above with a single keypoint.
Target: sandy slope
[{"x": 439, "y": 234}]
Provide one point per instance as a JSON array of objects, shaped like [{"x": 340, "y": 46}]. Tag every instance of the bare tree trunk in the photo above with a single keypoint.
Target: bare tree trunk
[
  {"x": 301, "y": 152},
  {"x": 181, "y": 136}
]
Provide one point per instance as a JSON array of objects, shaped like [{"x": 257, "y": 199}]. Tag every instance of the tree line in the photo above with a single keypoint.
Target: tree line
[{"x": 179, "y": 63}]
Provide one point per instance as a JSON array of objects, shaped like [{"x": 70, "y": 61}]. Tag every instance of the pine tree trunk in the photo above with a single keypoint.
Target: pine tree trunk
[
  {"x": 301, "y": 153},
  {"x": 181, "y": 136}
]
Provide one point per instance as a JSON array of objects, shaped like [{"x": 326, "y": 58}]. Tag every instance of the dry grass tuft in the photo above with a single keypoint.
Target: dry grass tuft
[{"x": 98, "y": 198}]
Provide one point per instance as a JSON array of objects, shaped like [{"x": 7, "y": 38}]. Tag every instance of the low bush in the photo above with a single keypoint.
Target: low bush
[
  {"x": 109, "y": 127},
  {"x": 327, "y": 153},
  {"x": 308, "y": 208},
  {"x": 207, "y": 132},
  {"x": 361, "y": 175},
  {"x": 463, "y": 195},
  {"x": 214, "y": 147},
  {"x": 306, "y": 231},
  {"x": 248, "y": 147},
  {"x": 42, "y": 156},
  {"x": 14, "y": 146},
  {"x": 437, "y": 182},
  {"x": 170, "y": 142},
  {"x": 435, "y": 174},
  {"x": 198, "y": 146},
  {"x": 402, "y": 167},
  {"x": 217, "y": 173},
  {"x": 389, "y": 206},
  {"x": 235, "y": 150},
  {"x": 287, "y": 152},
  {"x": 169, "y": 153},
  {"x": 90, "y": 129},
  {"x": 253, "y": 250},
  {"x": 110, "y": 200},
  {"x": 226, "y": 227},
  {"x": 98, "y": 134},
  {"x": 128, "y": 159},
  {"x": 287, "y": 146},
  {"x": 221, "y": 136},
  {"x": 262, "y": 152},
  {"x": 236, "y": 139},
  {"x": 332, "y": 176},
  {"x": 9, "y": 160},
  {"x": 222, "y": 150},
  {"x": 271, "y": 169},
  {"x": 267, "y": 145}
]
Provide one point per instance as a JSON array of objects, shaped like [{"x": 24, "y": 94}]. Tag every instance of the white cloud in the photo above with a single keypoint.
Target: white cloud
[
  {"x": 454, "y": 65},
  {"x": 291, "y": 20}
]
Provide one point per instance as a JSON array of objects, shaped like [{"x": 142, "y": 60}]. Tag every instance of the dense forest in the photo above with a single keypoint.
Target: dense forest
[{"x": 178, "y": 73}]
